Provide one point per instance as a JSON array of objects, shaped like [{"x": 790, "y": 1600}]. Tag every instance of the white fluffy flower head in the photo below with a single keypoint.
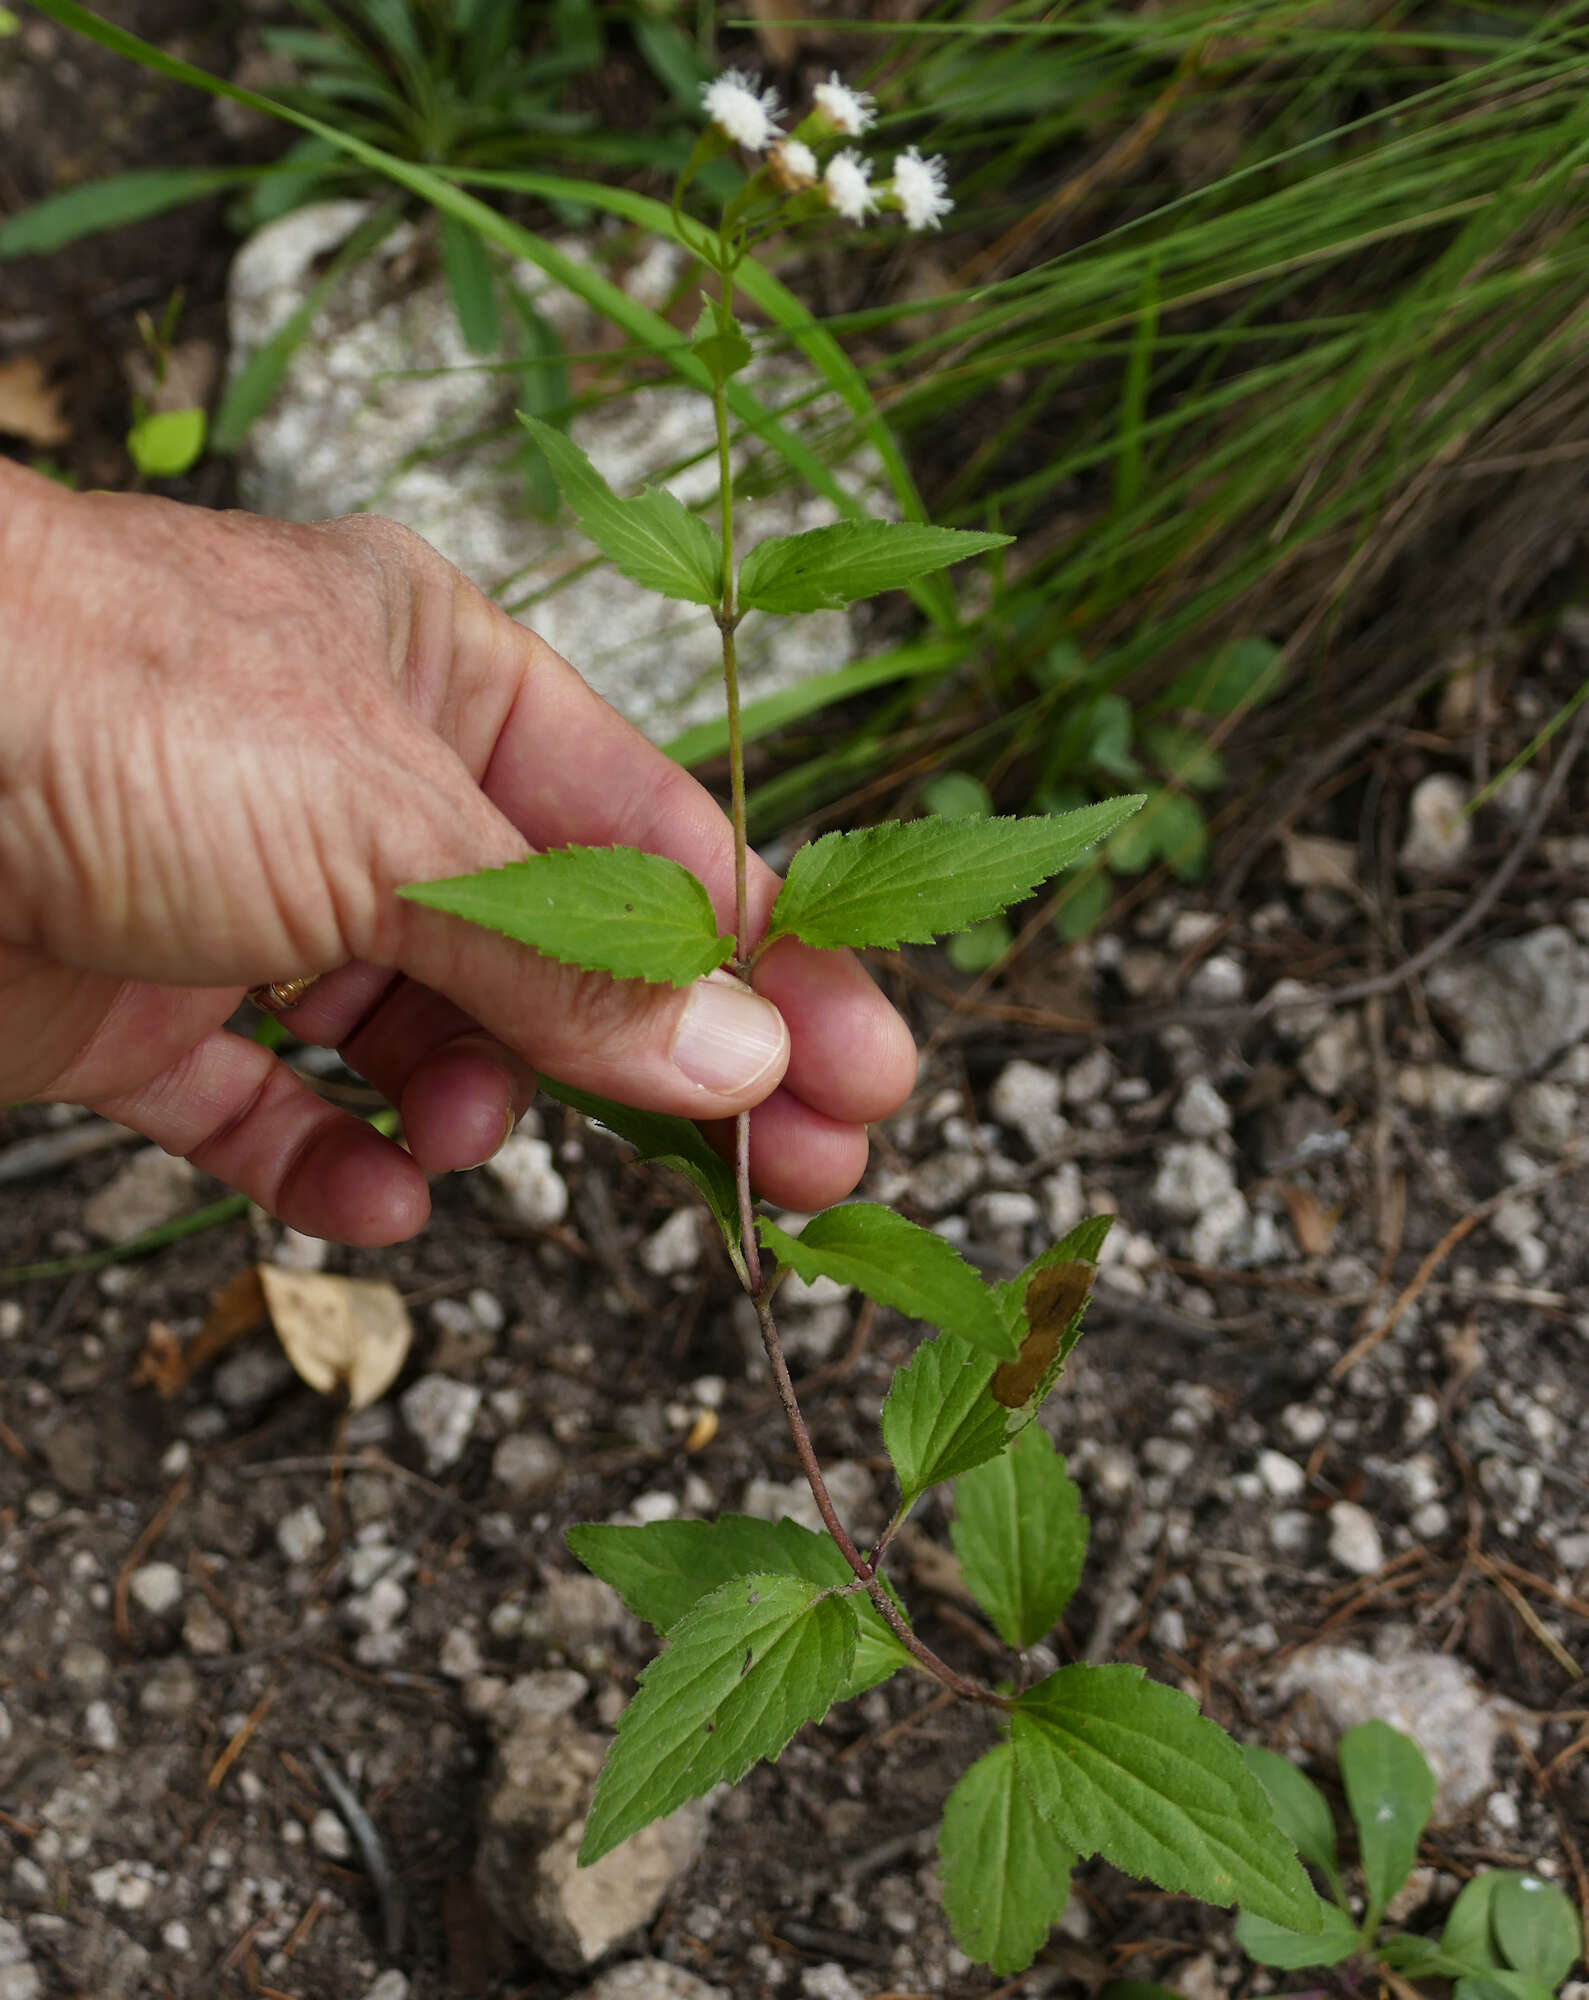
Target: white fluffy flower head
[
  {"x": 739, "y": 107},
  {"x": 848, "y": 186},
  {"x": 793, "y": 165},
  {"x": 847, "y": 111},
  {"x": 921, "y": 189}
]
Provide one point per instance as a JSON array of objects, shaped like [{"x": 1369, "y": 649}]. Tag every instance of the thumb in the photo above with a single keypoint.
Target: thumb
[{"x": 706, "y": 1050}]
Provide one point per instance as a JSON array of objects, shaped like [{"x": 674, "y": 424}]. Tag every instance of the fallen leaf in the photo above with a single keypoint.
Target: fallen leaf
[
  {"x": 166, "y": 1366},
  {"x": 29, "y": 407},
  {"x": 162, "y": 1366},
  {"x": 1314, "y": 862},
  {"x": 1310, "y": 1225},
  {"x": 339, "y": 1333}
]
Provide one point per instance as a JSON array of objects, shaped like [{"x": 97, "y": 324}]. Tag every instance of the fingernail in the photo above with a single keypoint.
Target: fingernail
[{"x": 728, "y": 1038}]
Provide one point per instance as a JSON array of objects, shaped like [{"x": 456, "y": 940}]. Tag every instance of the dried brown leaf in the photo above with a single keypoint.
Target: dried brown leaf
[
  {"x": 1311, "y": 1225},
  {"x": 29, "y": 407},
  {"x": 347, "y": 1334}
]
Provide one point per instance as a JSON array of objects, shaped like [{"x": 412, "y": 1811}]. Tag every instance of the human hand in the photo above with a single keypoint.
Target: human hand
[{"x": 228, "y": 741}]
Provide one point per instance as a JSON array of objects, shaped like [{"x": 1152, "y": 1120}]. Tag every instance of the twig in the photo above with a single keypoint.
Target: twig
[
  {"x": 1437, "y": 1256},
  {"x": 140, "y": 1548},
  {"x": 368, "y": 1842},
  {"x": 240, "y": 1740}
]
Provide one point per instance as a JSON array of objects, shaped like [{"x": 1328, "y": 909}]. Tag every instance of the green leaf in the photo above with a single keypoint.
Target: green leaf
[
  {"x": 1005, "y": 1873},
  {"x": 1468, "y": 1935},
  {"x": 472, "y": 283},
  {"x": 1302, "y": 1810},
  {"x": 1390, "y": 1789},
  {"x": 1127, "y": 1768},
  {"x": 1273, "y": 1944},
  {"x": 1501, "y": 1984},
  {"x": 753, "y": 1661},
  {"x": 827, "y": 568},
  {"x": 1021, "y": 1537},
  {"x": 1081, "y": 1245},
  {"x": 1185, "y": 755},
  {"x": 938, "y": 1418},
  {"x": 724, "y": 353},
  {"x": 1083, "y": 908},
  {"x": 110, "y": 204},
  {"x": 1535, "y": 1927},
  {"x": 1418, "y": 1957},
  {"x": 981, "y": 946},
  {"x": 899, "y": 1264},
  {"x": 166, "y": 443},
  {"x": 1170, "y": 829},
  {"x": 1137, "y": 1989},
  {"x": 663, "y": 1570},
  {"x": 1237, "y": 676},
  {"x": 670, "y": 1142},
  {"x": 251, "y": 390},
  {"x": 957, "y": 795},
  {"x": 655, "y": 540},
  {"x": 608, "y": 909},
  {"x": 893, "y": 884},
  {"x": 1110, "y": 725}
]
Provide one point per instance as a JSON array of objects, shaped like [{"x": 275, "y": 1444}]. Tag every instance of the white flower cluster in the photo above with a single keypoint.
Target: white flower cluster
[{"x": 750, "y": 116}]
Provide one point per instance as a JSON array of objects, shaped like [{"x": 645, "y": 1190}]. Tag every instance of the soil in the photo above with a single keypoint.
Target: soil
[{"x": 162, "y": 1814}]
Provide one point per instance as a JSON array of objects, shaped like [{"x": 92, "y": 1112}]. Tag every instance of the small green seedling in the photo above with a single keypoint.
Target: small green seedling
[
  {"x": 1509, "y": 1935},
  {"x": 163, "y": 443}
]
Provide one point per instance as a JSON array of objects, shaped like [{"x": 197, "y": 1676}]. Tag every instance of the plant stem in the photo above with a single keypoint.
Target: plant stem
[
  {"x": 865, "y": 1573},
  {"x": 760, "y": 1292}
]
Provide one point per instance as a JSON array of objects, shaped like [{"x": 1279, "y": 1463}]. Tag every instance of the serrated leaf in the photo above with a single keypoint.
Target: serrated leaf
[
  {"x": 1005, "y": 1873},
  {"x": 940, "y": 1419},
  {"x": 753, "y": 1661},
  {"x": 1390, "y": 1789},
  {"x": 1301, "y": 1809},
  {"x": 1184, "y": 754},
  {"x": 1124, "y": 1767},
  {"x": 827, "y": 568},
  {"x": 663, "y": 1570},
  {"x": 654, "y": 540},
  {"x": 670, "y": 1142},
  {"x": 899, "y": 1264},
  {"x": 1535, "y": 1927},
  {"x": 908, "y": 884},
  {"x": 1021, "y": 1537},
  {"x": 608, "y": 909},
  {"x": 1287, "y": 1950},
  {"x": 164, "y": 444}
]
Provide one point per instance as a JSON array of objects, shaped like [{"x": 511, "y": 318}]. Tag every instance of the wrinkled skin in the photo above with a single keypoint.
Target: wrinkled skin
[{"x": 225, "y": 741}]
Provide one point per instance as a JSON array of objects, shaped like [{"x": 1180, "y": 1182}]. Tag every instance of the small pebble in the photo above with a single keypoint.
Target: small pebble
[
  {"x": 1281, "y": 1476},
  {"x": 440, "y": 1411},
  {"x": 329, "y": 1836},
  {"x": 300, "y": 1535},
  {"x": 1201, "y": 1113},
  {"x": 675, "y": 1247},
  {"x": 1354, "y": 1539},
  {"x": 157, "y": 1586},
  {"x": 99, "y": 1726}
]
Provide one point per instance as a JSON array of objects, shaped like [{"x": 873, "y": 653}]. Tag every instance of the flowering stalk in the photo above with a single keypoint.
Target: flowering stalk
[{"x": 748, "y": 116}]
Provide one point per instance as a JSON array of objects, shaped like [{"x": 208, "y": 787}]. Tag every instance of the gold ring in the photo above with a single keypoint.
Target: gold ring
[{"x": 280, "y": 994}]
